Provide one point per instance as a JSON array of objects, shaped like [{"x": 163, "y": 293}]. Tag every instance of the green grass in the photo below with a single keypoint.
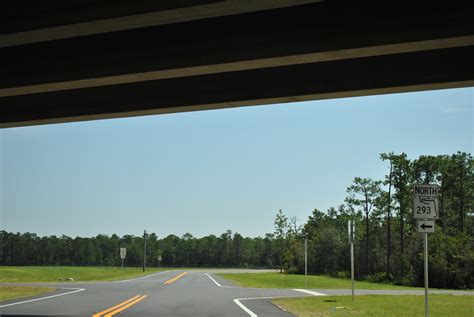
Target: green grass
[
  {"x": 14, "y": 292},
  {"x": 379, "y": 305},
  {"x": 277, "y": 280},
  {"x": 51, "y": 274}
]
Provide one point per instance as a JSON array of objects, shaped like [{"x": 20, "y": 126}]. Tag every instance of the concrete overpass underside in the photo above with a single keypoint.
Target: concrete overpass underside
[{"x": 91, "y": 59}]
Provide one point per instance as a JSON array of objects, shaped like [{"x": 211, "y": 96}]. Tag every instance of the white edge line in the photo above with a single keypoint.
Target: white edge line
[
  {"x": 43, "y": 298},
  {"x": 142, "y": 277},
  {"x": 226, "y": 286},
  {"x": 251, "y": 313},
  {"x": 215, "y": 282},
  {"x": 244, "y": 308},
  {"x": 309, "y": 292}
]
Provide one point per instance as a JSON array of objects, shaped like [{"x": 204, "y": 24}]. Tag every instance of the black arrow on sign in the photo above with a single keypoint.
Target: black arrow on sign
[{"x": 424, "y": 226}]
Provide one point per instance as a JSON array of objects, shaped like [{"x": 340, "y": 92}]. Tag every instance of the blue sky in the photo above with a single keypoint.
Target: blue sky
[{"x": 209, "y": 171}]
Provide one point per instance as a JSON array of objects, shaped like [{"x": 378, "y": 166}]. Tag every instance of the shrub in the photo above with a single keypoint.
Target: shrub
[
  {"x": 342, "y": 274},
  {"x": 379, "y": 277},
  {"x": 292, "y": 270}
]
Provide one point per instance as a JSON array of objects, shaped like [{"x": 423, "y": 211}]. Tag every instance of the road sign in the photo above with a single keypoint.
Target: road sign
[
  {"x": 123, "y": 253},
  {"x": 351, "y": 231},
  {"x": 425, "y": 206},
  {"x": 425, "y": 226},
  {"x": 425, "y": 201},
  {"x": 159, "y": 258}
]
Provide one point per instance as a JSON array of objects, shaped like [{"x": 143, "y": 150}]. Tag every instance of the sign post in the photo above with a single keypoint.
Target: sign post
[
  {"x": 159, "y": 260},
  {"x": 351, "y": 234},
  {"x": 425, "y": 211},
  {"x": 144, "y": 250},
  {"x": 123, "y": 253},
  {"x": 305, "y": 262},
  {"x": 427, "y": 307}
]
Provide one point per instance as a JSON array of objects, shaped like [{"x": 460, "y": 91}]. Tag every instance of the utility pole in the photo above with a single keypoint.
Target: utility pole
[{"x": 144, "y": 250}]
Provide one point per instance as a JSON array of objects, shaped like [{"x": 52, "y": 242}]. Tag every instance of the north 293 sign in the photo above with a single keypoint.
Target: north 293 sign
[{"x": 425, "y": 201}]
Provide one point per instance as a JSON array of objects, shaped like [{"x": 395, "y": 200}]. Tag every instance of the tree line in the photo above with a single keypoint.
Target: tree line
[
  {"x": 387, "y": 246},
  {"x": 227, "y": 250}
]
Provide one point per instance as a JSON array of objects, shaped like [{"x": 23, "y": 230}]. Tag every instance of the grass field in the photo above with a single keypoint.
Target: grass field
[
  {"x": 51, "y": 274},
  {"x": 277, "y": 280},
  {"x": 13, "y": 292},
  {"x": 379, "y": 305}
]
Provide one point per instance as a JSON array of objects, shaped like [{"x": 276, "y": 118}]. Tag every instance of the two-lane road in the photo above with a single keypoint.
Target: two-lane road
[{"x": 170, "y": 293}]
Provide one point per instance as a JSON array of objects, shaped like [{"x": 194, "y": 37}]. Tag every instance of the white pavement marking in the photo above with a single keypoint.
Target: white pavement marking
[
  {"x": 43, "y": 298},
  {"x": 215, "y": 282},
  {"x": 251, "y": 313},
  {"x": 248, "y": 311},
  {"x": 226, "y": 286},
  {"x": 142, "y": 277},
  {"x": 309, "y": 292}
]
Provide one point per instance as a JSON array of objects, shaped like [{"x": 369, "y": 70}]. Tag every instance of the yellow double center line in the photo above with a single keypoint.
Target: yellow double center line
[
  {"x": 174, "y": 279},
  {"x": 132, "y": 301},
  {"x": 119, "y": 307}
]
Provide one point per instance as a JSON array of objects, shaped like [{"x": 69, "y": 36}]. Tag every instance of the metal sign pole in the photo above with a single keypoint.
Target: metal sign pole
[
  {"x": 350, "y": 232},
  {"x": 425, "y": 211},
  {"x": 144, "y": 250},
  {"x": 427, "y": 310},
  {"x": 122, "y": 263},
  {"x": 352, "y": 267},
  {"x": 305, "y": 262}
]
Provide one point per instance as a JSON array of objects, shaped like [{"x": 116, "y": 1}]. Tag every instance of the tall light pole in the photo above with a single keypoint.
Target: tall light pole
[{"x": 144, "y": 250}]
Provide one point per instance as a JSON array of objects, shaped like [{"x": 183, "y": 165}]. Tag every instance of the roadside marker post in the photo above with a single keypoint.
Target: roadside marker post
[
  {"x": 425, "y": 211},
  {"x": 123, "y": 253},
  {"x": 351, "y": 234}
]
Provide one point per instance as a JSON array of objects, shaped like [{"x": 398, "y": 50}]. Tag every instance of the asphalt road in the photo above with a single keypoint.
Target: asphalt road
[
  {"x": 171, "y": 293},
  {"x": 160, "y": 294}
]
